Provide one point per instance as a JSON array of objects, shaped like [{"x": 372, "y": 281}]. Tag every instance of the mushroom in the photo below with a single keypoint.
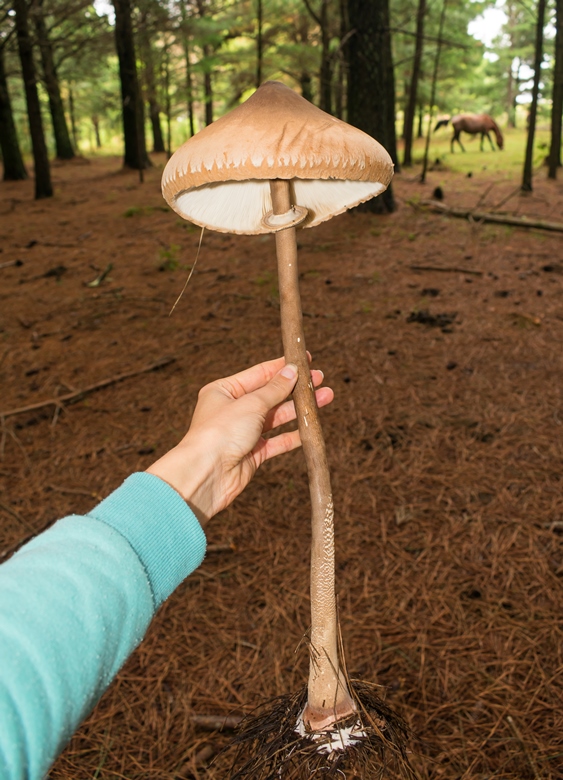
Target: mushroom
[{"x": 274, "y": 163}]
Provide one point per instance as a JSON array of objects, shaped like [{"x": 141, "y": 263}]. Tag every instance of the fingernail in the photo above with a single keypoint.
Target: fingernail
[
  {"x": 289, "y": 371},
  {"x": 320, "y": 372}
]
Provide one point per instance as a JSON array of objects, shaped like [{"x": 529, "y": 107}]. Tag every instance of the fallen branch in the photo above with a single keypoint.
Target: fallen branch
[
  {"x": 77, "y": 395},
  {"x": 449, "y": 269},
  {"x": 487, "y": 216},
  {"x": 216, "y": 722}
]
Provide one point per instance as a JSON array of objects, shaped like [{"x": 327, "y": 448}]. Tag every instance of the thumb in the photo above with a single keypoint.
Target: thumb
[{"x": 278, "y": 388}]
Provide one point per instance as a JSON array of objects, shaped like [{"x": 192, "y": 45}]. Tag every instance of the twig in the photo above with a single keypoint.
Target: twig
[
  {"x": 216, "y": 722},
  {"x": 201, "y": 757},
  {"x": 76, "y": 492},
  {"x": 449, "y": 269},
  {"x": 221, "y": 548},
  {"x": 77, "y": 395},
  {"x": 508, "y": 197},
  {"x": 486, "y": 216},
  {"x": 516, "y": 732},
  {"x": 11, "y": 263},
  {"x": 100, "y": 278},
  {"x": 483, "y": 196}
]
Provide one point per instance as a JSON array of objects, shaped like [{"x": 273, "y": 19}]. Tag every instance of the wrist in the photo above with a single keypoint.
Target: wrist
[{"x": 189, "y": 470}]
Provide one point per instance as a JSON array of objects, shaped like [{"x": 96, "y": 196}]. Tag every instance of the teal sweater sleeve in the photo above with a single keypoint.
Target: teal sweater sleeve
[{"x": 74, "y": 603}]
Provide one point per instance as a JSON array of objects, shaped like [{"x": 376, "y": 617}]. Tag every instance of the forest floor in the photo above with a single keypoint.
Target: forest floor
[{"x": 445, "y": 442}]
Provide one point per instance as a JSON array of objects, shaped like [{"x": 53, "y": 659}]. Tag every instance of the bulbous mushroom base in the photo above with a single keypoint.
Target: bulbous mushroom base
[
  {"x": 317, "y": 719},
  {"x": 370, "y": 743}
]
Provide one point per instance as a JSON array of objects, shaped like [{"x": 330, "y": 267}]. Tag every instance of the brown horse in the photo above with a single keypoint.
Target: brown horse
[{"x": 475, "y": 124}]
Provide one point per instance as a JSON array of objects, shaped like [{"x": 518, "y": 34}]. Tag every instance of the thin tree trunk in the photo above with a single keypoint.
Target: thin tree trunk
[
  {"x": 14, "y": 168},
  {"x": 259, "y": 44},
  {"x": 554, "y": 159},
  {"x": 306, "y": 86},
  {"x": 510, "y": 97},
  {"x": 325, "y": 74},
  {"x": 413, "y": 89},
  {"x": 419, "y": 133},
  {"x": 135, "y": 155},
  {"x": 433, "y": 91},
  {"x": 341, "y": 63},
  {"x": 371, "y": 86},
  {"x": 43, "y": 186},
  {"x": 538, "y": 57},
  {"x": 63, "y": 145},
  {"x": 189, "y": 80},
  {"x": 326, "y": 61},
  {"x": 208, "y": 88},
  {"x": 168, "y": 101},
  {"x": 72, "y": 113},
  {"x": 96, "y": 123},
  {"x": 150, "y": 85}
]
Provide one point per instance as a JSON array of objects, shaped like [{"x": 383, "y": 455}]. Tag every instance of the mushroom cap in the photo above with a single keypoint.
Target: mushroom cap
[{"x": 220, "y": 177}]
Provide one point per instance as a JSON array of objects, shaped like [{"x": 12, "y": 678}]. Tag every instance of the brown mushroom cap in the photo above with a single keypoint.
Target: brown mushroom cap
[{"x": 220, "y": 178}]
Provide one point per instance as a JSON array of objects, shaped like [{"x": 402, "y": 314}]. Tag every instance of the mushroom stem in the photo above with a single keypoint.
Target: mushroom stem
[{"x": 328, "y": 697}]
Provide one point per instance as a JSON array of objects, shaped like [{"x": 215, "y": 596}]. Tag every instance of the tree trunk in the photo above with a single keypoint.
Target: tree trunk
[
  {"x": 189, "y": 80},
  {"x": 371, "y": 86},
  {"x": 554, "y": 159},
  {"x": 306, "y": 86},
  {"x": 511, "y": 11},
  {"x": 413, "y": 89},
  {"x": 339, "y": 103},
  {"x": 150, "y": 85},
  {"x": 326, "y": 61},
  {"x": 43, "y": 186},
  {"x": 14, "y": 169},
  {"x": 511, "y": 118},
  {"x": 259, "y": 44},
  {"x": 208, "y": 88},
  {"x": 135, "y": 155},
  {"x": 538, "y": 57},
  {"x": 168, "y": 100},
  {"x": 433, "y": 91},
  {"x": 63, "y": 145},
  {"x": 419, "y": 133},
  {"x": 72, "y": 113},
  {"x": 96, "y": 123}
]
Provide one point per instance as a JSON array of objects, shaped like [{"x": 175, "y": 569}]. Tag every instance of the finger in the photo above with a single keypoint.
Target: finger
[
  {"x": 251, "y": 378},
  {"x": 273, "y": 393},
  {"x": 285, "y": 412},
  {"x": 277, "y": 445},
  {"x": 254, "y": 377}
]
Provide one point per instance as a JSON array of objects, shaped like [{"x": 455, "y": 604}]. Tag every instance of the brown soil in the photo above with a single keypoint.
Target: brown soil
[{"x": 445, "y": 443}]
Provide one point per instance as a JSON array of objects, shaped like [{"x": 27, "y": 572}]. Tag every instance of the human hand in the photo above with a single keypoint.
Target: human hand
[{"x": 224, "y": 445}]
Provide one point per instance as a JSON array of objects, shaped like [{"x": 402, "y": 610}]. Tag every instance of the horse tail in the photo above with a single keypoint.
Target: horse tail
[{"x": 441, "y": 123}]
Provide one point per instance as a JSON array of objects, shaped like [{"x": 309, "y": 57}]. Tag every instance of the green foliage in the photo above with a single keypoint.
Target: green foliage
[{"x": 168, "y": 257}]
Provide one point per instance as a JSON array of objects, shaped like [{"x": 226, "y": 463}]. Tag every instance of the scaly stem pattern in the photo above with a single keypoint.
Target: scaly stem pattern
[{"x": 328, "y": 696}]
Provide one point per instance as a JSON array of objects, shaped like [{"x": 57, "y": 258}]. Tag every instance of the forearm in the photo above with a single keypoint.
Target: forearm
[{"x": 74, "y": 603}]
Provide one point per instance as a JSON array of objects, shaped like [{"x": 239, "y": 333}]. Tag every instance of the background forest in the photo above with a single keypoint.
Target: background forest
[{"x": 154, "y": 72}]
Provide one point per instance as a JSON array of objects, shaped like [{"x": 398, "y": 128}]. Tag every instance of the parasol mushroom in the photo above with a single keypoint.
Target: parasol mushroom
[{"x": 274, "y": 163}]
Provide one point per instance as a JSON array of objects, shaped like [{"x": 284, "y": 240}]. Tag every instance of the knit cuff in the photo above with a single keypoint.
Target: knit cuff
[{"x": 159, "y": 526}]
